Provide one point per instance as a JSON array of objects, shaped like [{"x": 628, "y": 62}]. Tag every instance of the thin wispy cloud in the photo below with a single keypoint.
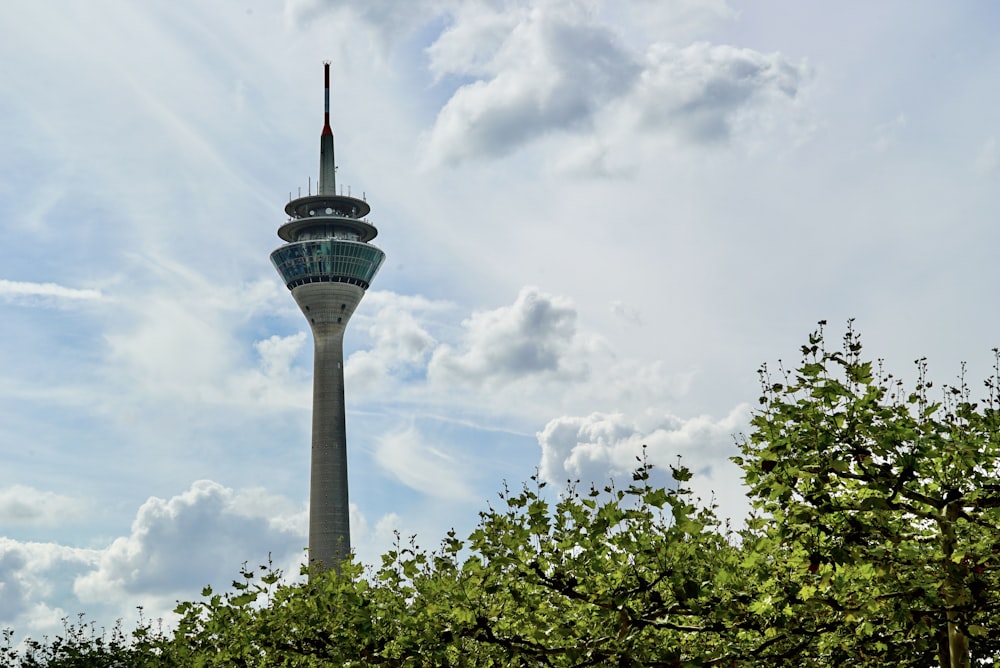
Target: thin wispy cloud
[{"x": 42, "y": 292}]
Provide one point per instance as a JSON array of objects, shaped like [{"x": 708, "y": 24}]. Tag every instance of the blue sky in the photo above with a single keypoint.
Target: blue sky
[{"x": 600, "y": 219}]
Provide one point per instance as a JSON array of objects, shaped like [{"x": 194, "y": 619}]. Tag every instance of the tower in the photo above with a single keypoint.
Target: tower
[{"x": 327, "y": 263}]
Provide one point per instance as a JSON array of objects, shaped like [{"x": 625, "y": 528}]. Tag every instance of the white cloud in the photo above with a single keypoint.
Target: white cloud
[
  {"x": 180, "y": 339},
  {"x": 704, "y": 93},
  {"x": 530, "y": 359},
  {"x": 532, "y": 337},
  {"x": 197, "y": 537},
  {"x": 257, "y": 503},
  {"x": 277, "y": 382},
  {"x": 175, "y": 547},
  {"x": 469, "y": 45},
  {"x": 427, "y": 469},
  {"x": 386, "y": 299},
  {"x": 401, "y": 347},
  {"x": 552, "y": 72},
  {"x": 45, "y": 292},
  {"x": 603, "y": 446},
  {"x": 554, "y": 67},
  {"x": 278, "y": 352},
  {"x": 33, "y": 582},
  {"x": 21, "y": 504},
  {"x": 368, "y": 542}
]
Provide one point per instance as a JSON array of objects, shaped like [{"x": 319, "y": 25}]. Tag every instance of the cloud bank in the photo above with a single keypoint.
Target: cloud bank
[{"x": 554, "y": 68}]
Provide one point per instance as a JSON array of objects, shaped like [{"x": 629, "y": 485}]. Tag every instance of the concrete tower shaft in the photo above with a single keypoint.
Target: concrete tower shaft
[
  {"x": 328, "y": 264},
  {"x": 328, "y": 307}
]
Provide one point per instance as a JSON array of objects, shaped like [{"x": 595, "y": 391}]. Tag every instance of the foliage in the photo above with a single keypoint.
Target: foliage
[
  {"x": 632, "y": 577},
  {"x": 874, "y": 541},
  {"x": 83, "y": 645},
  {"x": 884, "y": 507}
]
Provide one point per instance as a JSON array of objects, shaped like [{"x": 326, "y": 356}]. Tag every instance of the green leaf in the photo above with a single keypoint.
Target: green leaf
[{"x": 977, "y": 631}]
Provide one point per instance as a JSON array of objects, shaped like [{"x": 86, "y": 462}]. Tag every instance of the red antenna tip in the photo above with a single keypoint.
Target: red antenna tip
[{"x": 326, "y": 98}]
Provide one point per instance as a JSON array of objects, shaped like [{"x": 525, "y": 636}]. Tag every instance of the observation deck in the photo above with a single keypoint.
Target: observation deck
[
  {"x": 328, "y": 242},
  {"x": 322, "y": 212}
]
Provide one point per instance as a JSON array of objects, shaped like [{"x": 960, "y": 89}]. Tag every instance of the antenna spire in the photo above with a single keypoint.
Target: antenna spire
[
  {"x": 327, "y": 164},
  {"x": 326, "y": 98}
]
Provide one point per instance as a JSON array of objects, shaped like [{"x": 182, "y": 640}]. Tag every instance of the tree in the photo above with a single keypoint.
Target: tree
[
  {"x": 84, "y": 645},
  {"x": 639, "y": 576},
  {"x": 874, "y": 541},
  {"x": 625, "y": 577},
  {"x": 884, "y": 507}
]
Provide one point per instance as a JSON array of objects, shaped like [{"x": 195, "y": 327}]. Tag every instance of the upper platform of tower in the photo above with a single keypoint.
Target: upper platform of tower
[{"x": 326, "y": 214}]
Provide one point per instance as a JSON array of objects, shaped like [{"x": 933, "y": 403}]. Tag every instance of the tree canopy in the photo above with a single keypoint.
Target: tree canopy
[
  {"x": 873, "y": 541},
  {"x": 884, "y": 504}
]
